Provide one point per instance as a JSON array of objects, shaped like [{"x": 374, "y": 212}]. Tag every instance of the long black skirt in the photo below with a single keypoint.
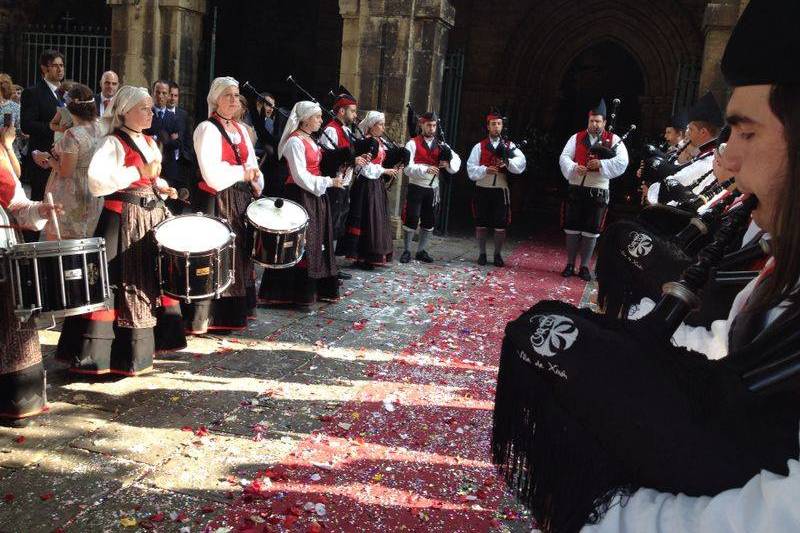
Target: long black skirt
[
  {"x": 368, "y": 237},
  {"x": 237, "y": 304},
  {"x": 123, "y": 339},
  {"x": 314, "y": 277}
]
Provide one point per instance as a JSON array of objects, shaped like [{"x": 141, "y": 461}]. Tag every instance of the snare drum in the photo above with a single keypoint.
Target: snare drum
[
  {"x": 278, "y": 232},
  {"x": 57, "y": 279},
  {"x": 195, "y": 257},
  {"x": 8, "y": 238}
]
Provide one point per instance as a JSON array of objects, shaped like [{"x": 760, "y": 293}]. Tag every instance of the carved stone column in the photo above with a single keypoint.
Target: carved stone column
[
  {"x": 393, "y": 52},
  {"x": 153, "y": 39},
  {"x": 720, "y": 18}
]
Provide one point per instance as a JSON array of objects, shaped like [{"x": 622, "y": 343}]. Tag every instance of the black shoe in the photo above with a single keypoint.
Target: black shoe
[
  {"x": 344, "y": 275},
  {"x": 585, "y": 274},
  {"x": 363, "y": 265},
  {"x": 568, "y": 271},
  {"x": 498, "y": 261},
  {"x": 405, "y": 257},
  {"x": 482, "y": 259},
  {"x": 424, "y": 257}
]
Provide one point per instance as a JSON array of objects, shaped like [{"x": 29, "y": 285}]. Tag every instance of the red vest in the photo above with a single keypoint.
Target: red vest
[
  {"x": 313, "y": 158},
  {"x": 229, "y": 156},
  {"x": 342, "y": 139},
  {"x": 422, "y": 155},
  {"x": 582, "y": 145},
  {"x": 132, "y": 159},
  {"x": 488, "y": 159}
]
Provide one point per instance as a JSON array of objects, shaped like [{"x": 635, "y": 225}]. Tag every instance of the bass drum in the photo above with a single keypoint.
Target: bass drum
[
  {"x": 195, "y": 257},
  {"x": 278, "y": 232},
  {"x": 57, "y": 279}
]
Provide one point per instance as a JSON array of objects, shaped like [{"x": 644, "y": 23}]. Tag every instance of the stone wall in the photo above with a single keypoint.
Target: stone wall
[{"x": 393, "y": 53}]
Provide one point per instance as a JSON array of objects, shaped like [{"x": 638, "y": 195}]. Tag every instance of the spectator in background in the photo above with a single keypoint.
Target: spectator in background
[
  {"x": 185, "y": 154},
  {"x": 69, "y": 181},
  {"x": 109, "y": 83},
  {"x": 17, "y": 93},
  {"x": 166, "y": 133},
  {"x": 38, "y": 107},
  {"x": 9, "y": 107}
]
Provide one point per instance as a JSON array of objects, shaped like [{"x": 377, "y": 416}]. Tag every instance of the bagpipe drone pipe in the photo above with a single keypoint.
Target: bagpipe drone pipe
[
  {"x": 635, "y": 259},
  {"x": 590, "y": 407}
]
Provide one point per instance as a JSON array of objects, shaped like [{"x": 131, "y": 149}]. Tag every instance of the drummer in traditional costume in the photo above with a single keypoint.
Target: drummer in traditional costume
[
  {"x": 22, "y": 381},
  {"x": 231, "y": 179},
  {"x": 585, "y": 208},
  {"x": 489, "y": 165},
  {"x": 125, "y": 170},
  {"x": 368, "y": 237},
  {"x": 314, "y": 277}
]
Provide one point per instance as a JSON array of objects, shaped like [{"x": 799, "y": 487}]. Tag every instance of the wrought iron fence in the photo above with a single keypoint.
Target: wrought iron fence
[
  {"x": 687, "y": 86},
  {"x": 86, "y": 49}
]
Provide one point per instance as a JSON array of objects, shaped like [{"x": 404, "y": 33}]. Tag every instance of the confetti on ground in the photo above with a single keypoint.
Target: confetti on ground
[{"x": 410, "y": 452}]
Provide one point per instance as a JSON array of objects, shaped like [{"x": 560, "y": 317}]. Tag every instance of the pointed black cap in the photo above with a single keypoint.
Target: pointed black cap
[
  {"x": 763, "y": 45},
  {"x": 599, "y": 109},
  {"x": 679, "y": 120},
  {"x": 707, "y": 110}
]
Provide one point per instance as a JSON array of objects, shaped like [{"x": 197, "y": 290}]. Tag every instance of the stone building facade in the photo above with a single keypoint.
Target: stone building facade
[{"x": 541, "y": 62}]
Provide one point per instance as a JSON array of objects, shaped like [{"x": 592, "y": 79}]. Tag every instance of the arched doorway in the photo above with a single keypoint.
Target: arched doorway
[{"x": 603, "y": 70}]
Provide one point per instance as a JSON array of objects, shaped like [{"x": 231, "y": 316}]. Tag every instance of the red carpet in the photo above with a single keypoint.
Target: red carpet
[{"x": 411, "y": 451}]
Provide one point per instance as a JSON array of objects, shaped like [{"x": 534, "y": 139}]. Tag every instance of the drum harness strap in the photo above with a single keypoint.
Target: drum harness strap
[
  {"x": 241, "y": 186},
  {"x": 146, "y": 203}
]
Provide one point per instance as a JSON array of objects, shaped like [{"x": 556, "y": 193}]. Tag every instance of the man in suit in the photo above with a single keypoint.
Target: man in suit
[
  {"x": 185, "y": 130},
  {"x": 109, "y": 83},
  {"x": 38, "y": 107},
  {"x": 165, "y": 132}
]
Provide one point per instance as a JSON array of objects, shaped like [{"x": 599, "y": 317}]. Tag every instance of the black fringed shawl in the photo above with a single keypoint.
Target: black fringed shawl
[{"x": 588, "y": 407}]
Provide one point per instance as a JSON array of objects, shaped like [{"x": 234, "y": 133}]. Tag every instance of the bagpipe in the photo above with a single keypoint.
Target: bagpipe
[
  {"x": 635, "y": 259},
  {"x": 589, "y": 408},
  {"x": 412, "y": 123},
  {"x": 336, "y": 158},
  {"x": 601, "y": 150}
]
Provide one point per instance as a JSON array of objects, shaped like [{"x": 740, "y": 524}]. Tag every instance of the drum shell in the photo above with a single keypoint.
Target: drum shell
[
  {"x": 59, "y": 278},
  {"x": 196, "y": 276},
  {"x": 277, "y": 250}
]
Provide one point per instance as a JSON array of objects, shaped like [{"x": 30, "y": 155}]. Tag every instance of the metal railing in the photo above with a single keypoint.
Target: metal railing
[
  {"x": 86, "y": 49},
  {"x": 449, "y": 109}
]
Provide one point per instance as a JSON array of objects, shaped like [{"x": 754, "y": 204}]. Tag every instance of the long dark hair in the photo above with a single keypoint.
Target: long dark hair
[{"x": 782, "y": 285}]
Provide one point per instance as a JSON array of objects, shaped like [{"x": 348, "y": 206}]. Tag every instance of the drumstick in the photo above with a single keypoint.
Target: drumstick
[{"x": 54, "y": 215}]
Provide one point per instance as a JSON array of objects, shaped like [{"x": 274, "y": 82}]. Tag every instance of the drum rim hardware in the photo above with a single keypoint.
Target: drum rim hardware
[{"x": 257, "y": 230}]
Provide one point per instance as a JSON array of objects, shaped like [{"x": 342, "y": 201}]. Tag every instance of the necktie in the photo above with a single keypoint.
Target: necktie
[
  {"x": 161, "y": 113},
  {"x": 106, "y": 103}
]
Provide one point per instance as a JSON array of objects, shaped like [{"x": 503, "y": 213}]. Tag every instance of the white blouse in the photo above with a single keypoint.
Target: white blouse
[
  {"x": 417, "y": 172},
  {"x": 295, "y": 154},
  {"x": 25, "y": 211},
  {"x": 107, "y": 171},
  {"x": 219, "y": 174}
]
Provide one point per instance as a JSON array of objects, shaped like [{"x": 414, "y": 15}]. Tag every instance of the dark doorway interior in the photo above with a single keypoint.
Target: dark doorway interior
[{"x": 603, "y": 70}]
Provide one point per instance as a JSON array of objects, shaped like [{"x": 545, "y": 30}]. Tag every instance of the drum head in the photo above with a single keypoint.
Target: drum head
[
  {"x": 289, "y": 217},
  {"x": 192, "y": 233}
]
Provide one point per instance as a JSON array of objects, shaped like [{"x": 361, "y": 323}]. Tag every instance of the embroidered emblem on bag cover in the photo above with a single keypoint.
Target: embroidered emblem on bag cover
[
  {"x": 641, "y": 244},
  {"x": 553, "y": 334}
]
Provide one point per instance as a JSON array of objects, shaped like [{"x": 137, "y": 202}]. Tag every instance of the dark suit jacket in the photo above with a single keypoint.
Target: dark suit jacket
[
  {"x": 38, "y": 107},
  {"x": 186, "y": 131},
  {"x": 162, "y": 130}
]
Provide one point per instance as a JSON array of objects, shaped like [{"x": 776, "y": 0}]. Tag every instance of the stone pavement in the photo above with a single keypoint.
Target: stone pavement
[{"x": 170, "y": 450}]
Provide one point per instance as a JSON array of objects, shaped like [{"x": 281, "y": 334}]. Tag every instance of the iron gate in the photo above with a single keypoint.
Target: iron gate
[
  {"x": 449, "y": 109},
  {"x": 86, "y": 49},
  {"x": 686, "y": 88}
]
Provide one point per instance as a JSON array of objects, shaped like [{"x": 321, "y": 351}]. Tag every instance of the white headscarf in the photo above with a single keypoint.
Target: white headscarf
[
  {"x": 300, "y": 112},
  {"x": 125, "y": 100},
  {"x": 217, "y": 87},
  {"x": 372, "y": 118}
]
